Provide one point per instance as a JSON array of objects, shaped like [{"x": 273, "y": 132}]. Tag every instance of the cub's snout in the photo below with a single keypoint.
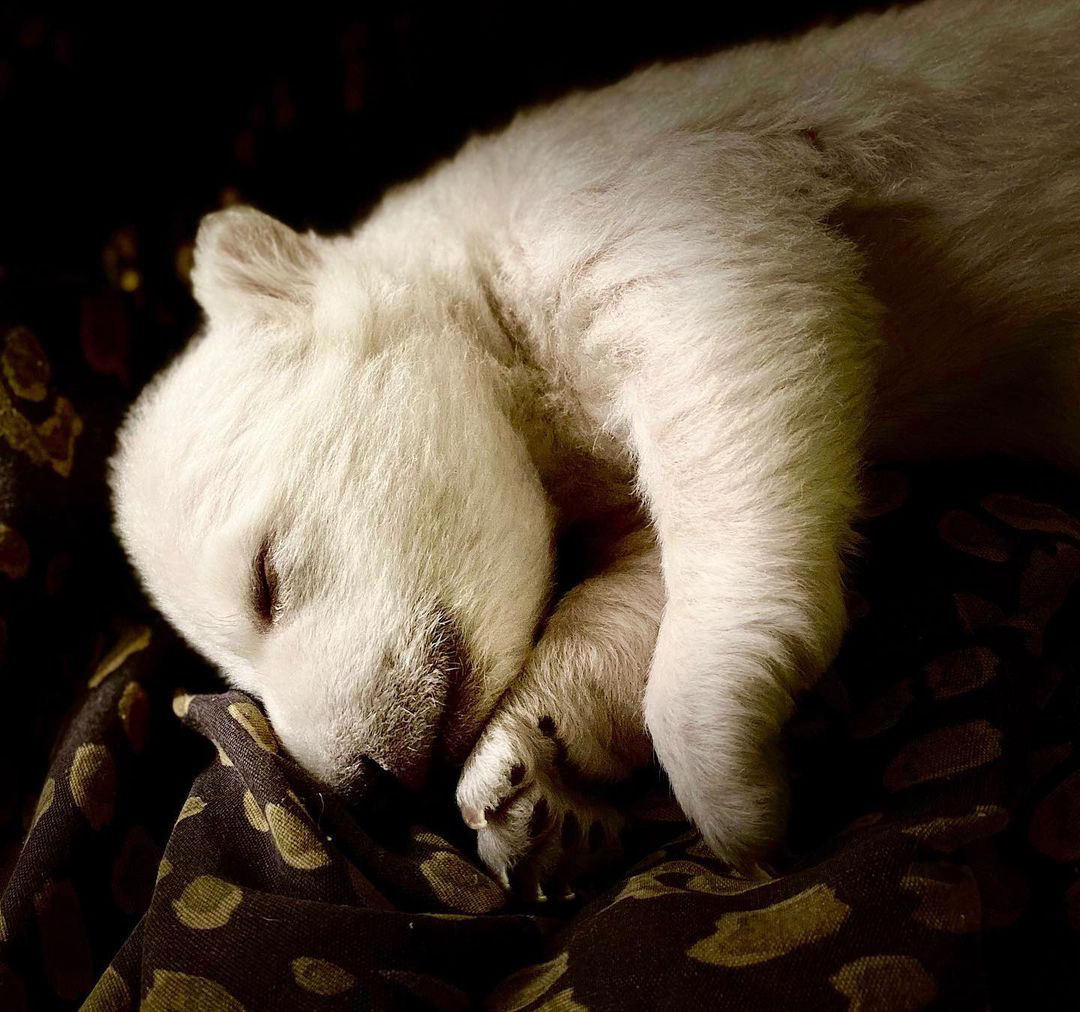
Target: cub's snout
[{"x": 420, "y": 708}]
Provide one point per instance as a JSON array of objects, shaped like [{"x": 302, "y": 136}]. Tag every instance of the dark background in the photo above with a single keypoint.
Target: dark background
[{"x": 118, "y": 131}]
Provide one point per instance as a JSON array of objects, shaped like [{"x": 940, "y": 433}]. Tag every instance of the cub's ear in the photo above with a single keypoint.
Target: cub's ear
[{"x": 250, "y": 265}]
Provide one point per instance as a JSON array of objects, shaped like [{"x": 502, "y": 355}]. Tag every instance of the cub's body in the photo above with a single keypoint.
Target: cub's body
[{"x": 679, "y": 312}]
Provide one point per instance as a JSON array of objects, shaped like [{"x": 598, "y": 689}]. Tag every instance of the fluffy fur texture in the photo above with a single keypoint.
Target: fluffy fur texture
[{"x": 678, "y": 314}]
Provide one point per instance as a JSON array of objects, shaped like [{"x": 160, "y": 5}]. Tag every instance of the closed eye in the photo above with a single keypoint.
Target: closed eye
[{"x": 264, "y": 585}]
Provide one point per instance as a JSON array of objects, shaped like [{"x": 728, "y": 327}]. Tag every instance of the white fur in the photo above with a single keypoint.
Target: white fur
[{"x": 713, "y": 288}]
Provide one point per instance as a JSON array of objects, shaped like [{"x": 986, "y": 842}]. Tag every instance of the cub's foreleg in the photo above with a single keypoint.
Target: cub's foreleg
[
  {"x": 572, "y": 721},
  {"x": 745, "y": 410}
]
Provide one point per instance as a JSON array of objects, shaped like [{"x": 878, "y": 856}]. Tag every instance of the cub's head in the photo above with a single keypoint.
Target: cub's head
[{"x": 322, "y": 494}]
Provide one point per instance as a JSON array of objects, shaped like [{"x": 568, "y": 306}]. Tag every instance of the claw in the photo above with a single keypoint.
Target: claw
[{"x": 531, "y": 890}]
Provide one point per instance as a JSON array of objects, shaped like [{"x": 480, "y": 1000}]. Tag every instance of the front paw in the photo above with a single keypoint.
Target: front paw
[
  {"x": 535, "y": 816},
  {"x": 737, "y": 797}
]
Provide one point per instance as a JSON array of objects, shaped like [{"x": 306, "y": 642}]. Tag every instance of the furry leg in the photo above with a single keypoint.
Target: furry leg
[
  {"x": 573, "y": 720},
  {"x": 747, "y": 456}
]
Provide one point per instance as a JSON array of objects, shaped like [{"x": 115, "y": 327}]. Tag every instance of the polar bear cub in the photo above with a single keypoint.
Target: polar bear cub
[{"x": 672, "y": 317}]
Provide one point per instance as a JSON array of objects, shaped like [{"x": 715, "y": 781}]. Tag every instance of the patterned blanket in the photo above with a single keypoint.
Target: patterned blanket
[
  {"x": 157, "y": 847},
  {"x": 175, "y": 858}
]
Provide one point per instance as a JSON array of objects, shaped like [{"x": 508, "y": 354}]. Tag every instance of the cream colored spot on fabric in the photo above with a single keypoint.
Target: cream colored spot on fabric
[
  {"x": 93, "y": 783},
  {"x": 222, "y": 755},
  {"x": 883, "y": 711},
  {"x": 975, "y": 613},
  {"x": 418, "y": 834},
  {"x": 163, "y": 869},
  {"x": 25, "y": 364},
  {"x": 3, "y": 929},
  {"x": 747, "y": 937},
  {"x": 1053, "y": 828},
  {"x": 52, "y": 442},
  {"x": 57, "y": 435},
  {"x": 134, "y": 710},
  {"x": 297, "y": 844},
  {"x": 1046, "y": 584},
  {"x": 947, "y": 833},
  {"x": 44, "y": 802},
  {"x": 251, "y": 719},
  {"x": 643, "y": 886},
  {"x": 461, "y": 886},
  {"x": 320, "y": 976},
  {"x": 192, "y": 806},
  {"x": 254, "y": 813},
  {"x": 647, "y": 886},
  {"x": 432, "y": 992},
  {"x": 181, "y": 703},
  {"x": 969, "y": 534},
  {"x": 527, "y": 985},
  {"x": 182, "y": 992},
  {"x": 131, "y": 642},
  {"x": 722, "y": 885},
  {"x": 944, "y": 753},
  {"x": 960, "y": 671},
  {"x": 885, "y": 984},
  {"x": 14, "y": 553},
  {"x": 679, "y": 867},
  {"x": 110, "y": 994},
  {"x": 1027, "y": 515},
  {"x": 948, "y": 897},
  {"x": 564, "y": 1001},
  {"x": 207, "y": 902}
]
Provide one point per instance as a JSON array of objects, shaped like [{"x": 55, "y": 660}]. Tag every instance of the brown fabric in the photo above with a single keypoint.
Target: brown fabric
[{"x": 932, "y": 858}]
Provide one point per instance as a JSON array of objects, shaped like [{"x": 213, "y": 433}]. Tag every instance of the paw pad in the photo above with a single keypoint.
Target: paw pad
[
  {"x": 539, "y": 818},
  {"x": 571, "y": 830}
]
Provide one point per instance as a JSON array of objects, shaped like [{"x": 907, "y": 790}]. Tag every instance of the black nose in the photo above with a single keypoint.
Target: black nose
[{"x": 427, "y": 709}]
